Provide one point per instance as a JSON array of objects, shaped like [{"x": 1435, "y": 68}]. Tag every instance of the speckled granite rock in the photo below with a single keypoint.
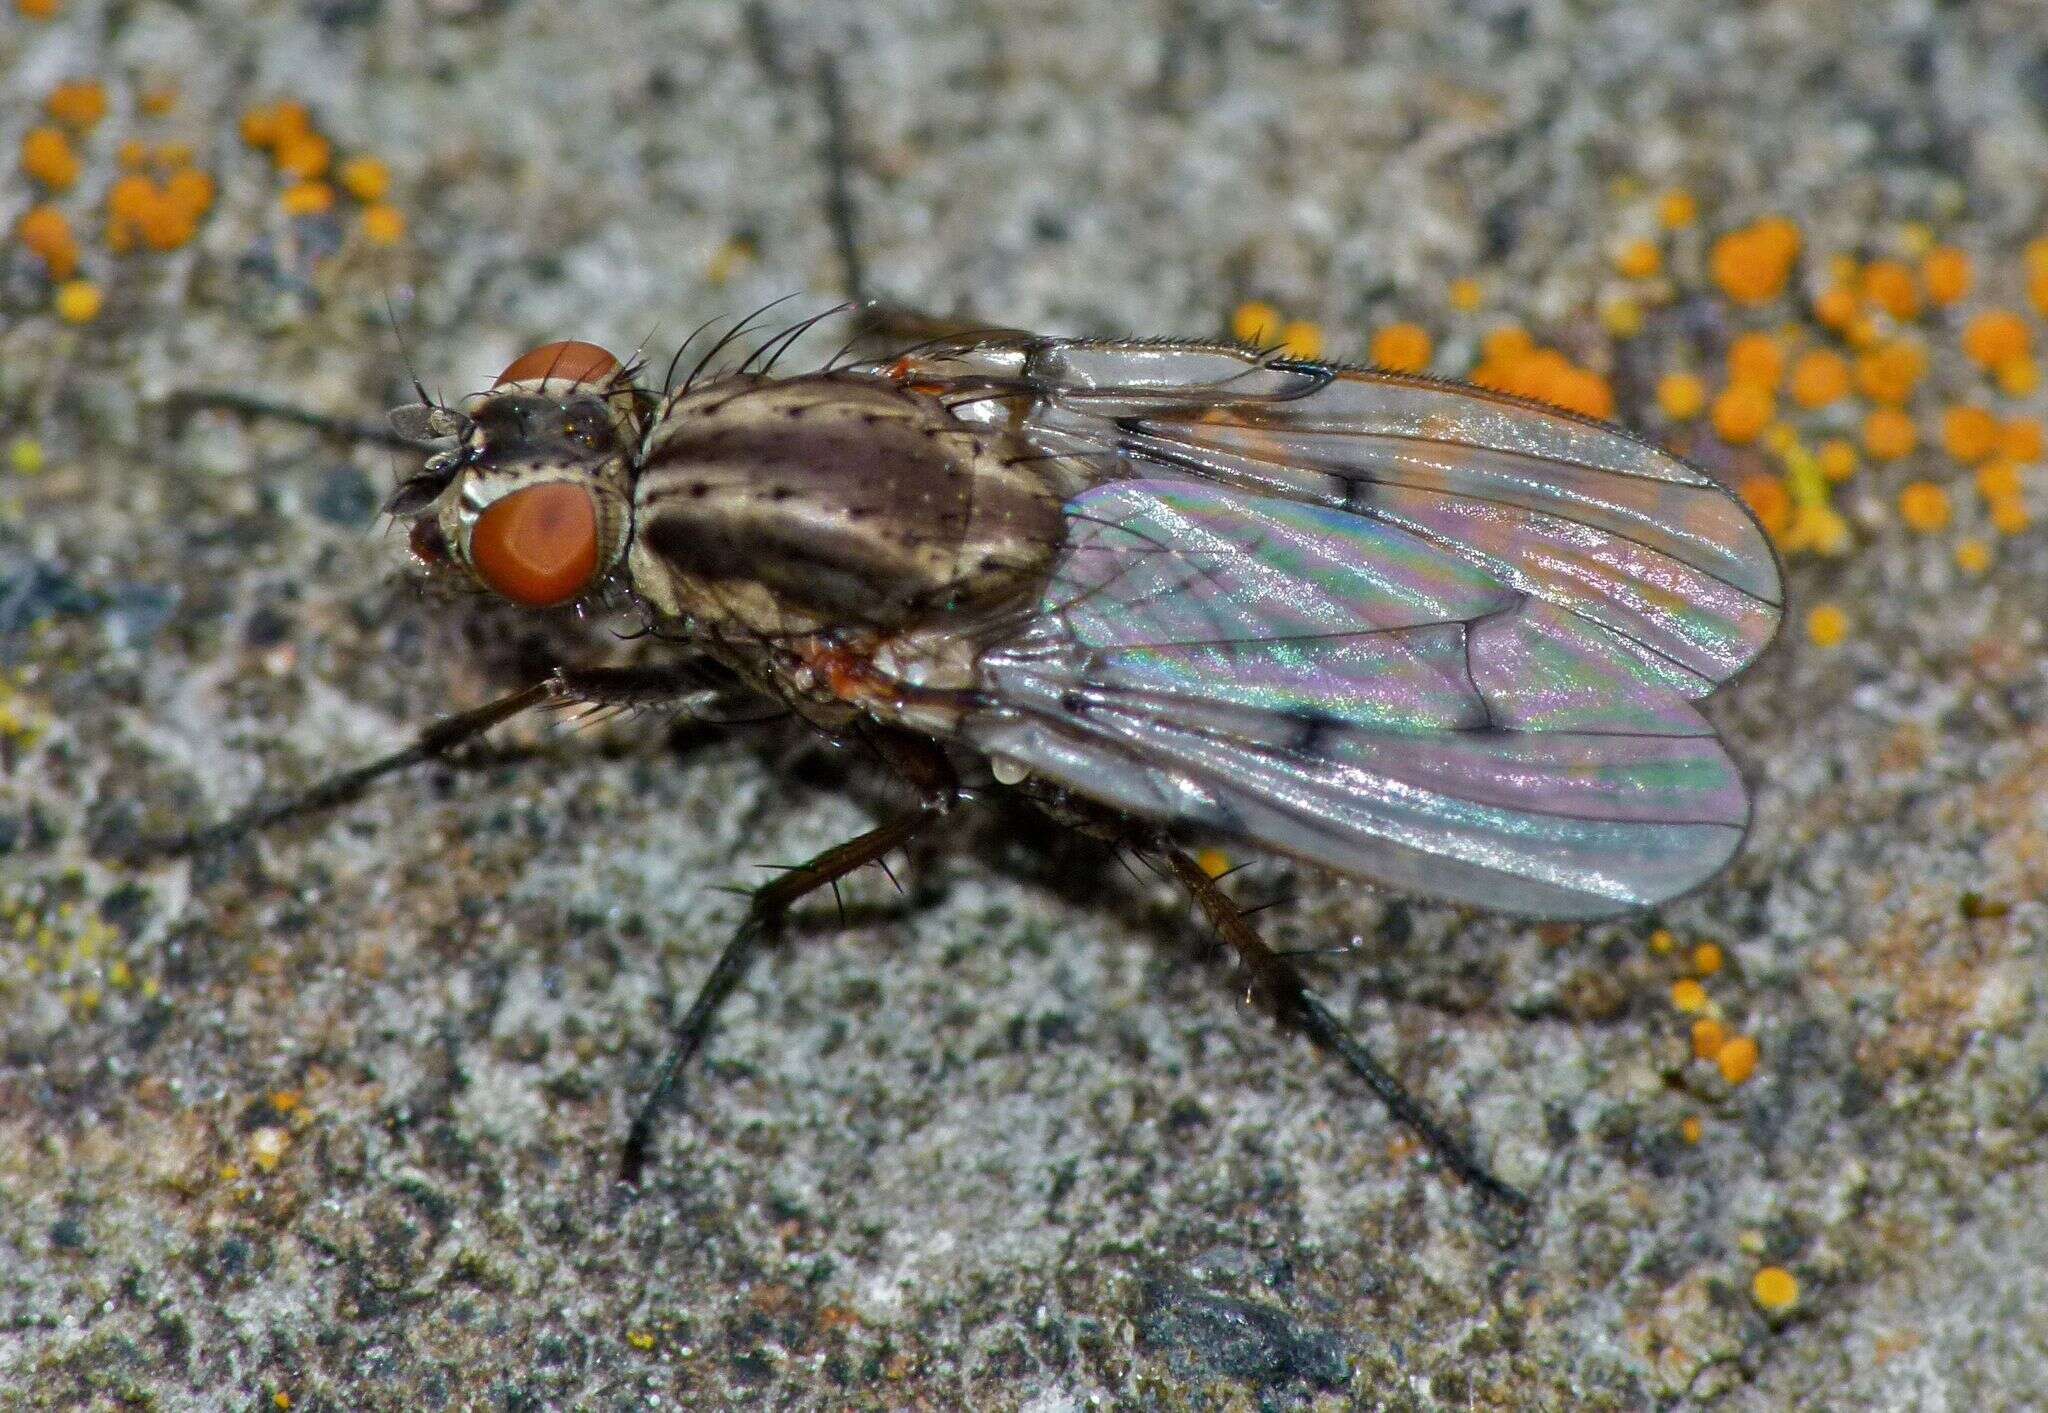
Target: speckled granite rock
[{"x": 330, "y": 1117}]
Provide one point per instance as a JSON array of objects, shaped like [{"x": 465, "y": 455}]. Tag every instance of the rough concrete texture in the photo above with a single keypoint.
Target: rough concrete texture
[{"x": 330, "y": 1117}]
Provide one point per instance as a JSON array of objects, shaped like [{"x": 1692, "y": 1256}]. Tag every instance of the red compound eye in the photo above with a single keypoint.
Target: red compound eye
[
  {"x": 537, "y": 546},
  {"x": 427, "y": 542},
  {"x": 568, "y": 358}
]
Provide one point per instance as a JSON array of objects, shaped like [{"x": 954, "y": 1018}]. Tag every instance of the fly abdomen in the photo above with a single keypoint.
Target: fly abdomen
[{"x": 834, "y": 501}]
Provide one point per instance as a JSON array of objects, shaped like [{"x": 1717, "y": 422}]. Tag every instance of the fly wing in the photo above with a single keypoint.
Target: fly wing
[
  {"x": 1651, "y": 558},
  {"x": 1359, "y": 694}
]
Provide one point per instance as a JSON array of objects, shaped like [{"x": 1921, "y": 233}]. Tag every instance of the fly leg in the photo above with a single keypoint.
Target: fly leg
[
  {"x": 597, "y": 687},
  {"x": 766, "y": 910},
  {"x": 1282, "y": 985}
]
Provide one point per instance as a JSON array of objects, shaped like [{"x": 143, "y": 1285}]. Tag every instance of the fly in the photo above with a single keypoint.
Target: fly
[{"x": 1413, "y": 632}]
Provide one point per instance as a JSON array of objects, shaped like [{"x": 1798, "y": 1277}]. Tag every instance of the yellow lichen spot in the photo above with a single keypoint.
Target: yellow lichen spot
[
  {"x": 1996, "y": 337},
  {"x": 1737, "y": 1058},
  {"x": 1768, "y": 500},
  {"x": 383, "y": 225},
  {"x": 308, "y": 199},
  {"x": 1690, "y": 1128},
  {"x": 1638, "y": 259},
  {"x": 78, "y": 301},
  {"x": 1916, "y": 238},
  {"x": 266, "y": 1147},
  {"x": 1826, "y": 625},
  {"x": 2009, "y": 515},
  {"x": 1889, "y": 434},
  {"x": 1924, "y": 507},
  {"x": 2020, "y": 439},
  {"x": 1661, "y": 941},
  {"x": 1757, "y": 359},
  {"x": 1677, "y": 209},
  {"x": 1969, "y": 434},
  {"x": 1819, "y": 376},
  {"x": 46, "y": 156},
  {"x": 44, "y": 230},
  {"x": 25, "y": 458},
  {"x": 1465, "y": 295},
  {"x": 1973, "y": 556},
  {"x": 1688, "y": 996},
  {"x": 304, "y": 155},
  {"x": 1681, "y": 396},
  {"x": 1402, "y": 348},
  {"x": 1888, "y": 371},
  {"x": 1708, "y": 1036},
  {"x": 1742, "y": 411},
  {"x": 640, "y": 1339},
  {"x": 120, "y": 975},
  {"x": 2018, "y": 377},
  {"x": 285, "y": 1100},
  {"x": 1301, "y": 338},
  {"x": 1774, "y": 1289},
  {"x": 229, "y": 1172},
  {"x": 77, "y": 105},
  {"x": 1254, "y": 322},
  {"x": 1213, "y": 862},
  {"x": 1890, "y": 286},
  {"x": 1945, "y": 270},
  {"x": 1622, "y": 318},
  {"x": 365, "y": 178},
  {"x": 1751, "y": 265},
  {"x": 259, "y": 125},
  {"x": 1836, "y": 307},
  {"x": 1707, "y": 958}
]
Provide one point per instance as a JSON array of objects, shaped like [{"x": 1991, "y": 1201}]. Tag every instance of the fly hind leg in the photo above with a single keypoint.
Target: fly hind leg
[{"x": 1283, "y": 987}]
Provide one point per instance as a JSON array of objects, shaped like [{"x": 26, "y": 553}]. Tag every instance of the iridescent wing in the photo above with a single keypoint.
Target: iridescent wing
[{"x": 1406, "y": 630}]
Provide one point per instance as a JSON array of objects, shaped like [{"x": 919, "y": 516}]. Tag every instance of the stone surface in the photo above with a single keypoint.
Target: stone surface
[{"x": 331, "y": 1116}]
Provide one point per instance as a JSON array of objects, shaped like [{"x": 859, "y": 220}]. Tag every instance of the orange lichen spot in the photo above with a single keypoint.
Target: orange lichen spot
[
  {"x": 1924, "y": 507},
  {"x": 2034, "y": 255},
  {"x": 1707, "y": 958},
  {"x": 132, "y": 155},
  {"x": 1622, "y": 318},
  {"x": 77, "y": 105},
  {"x": 1998, "y": 479},
  {"x": 1301, "y": 338},
  {"x": 1638, "y": 259},
  {"x": 1973, "y": 556},
  {"x": 1775, "y": 1289},
  {"x": 37, "y": 9},
  {"x": 259, "y": 125},
  {"x": 1741, "y": 412},
  {"x": 1402, "y": 348},
  {"x": 1688, "y": 996},
  {"x": 2037, "y": 290},
  {"x": 1863, "y": 332},
  {"x": 1826, "y": 625},
  {"x": 285, "y": 1100},
  {"x": 1969, "y": 434},
  {"x": 190, "y": 190},
  {"x": 1889, "y": 284},
  {"x": 1691, "y": 1129},
  {"x": 44, "y": 230},
  {"x": 1681, "y": 396},
  {"x": 1254, "y": 322},
  {"x": 1708, "y": 1036},
  {"x": 78, "y": 301},
  {"x": 1737, "y": 1058},
  {"x": 366, "y": 178},
  {"x": 1995, "y": 337},
  {"x": 304, "y": 155},
  {"x": 1465, "y": 295},
  {"x": 1758, "y": 359},
  {"x": 2009, "y": 515},
  {"x": 1836, "y": 307},
  {"x": 1836, "y": 458},
  {"x": 1583, "y": 391},
  {"x": 2020, "y": 439},
  {"x": 1506, "y": 344},
  {"x": 1751, "y": 265},
  {"x": 1888, "y": 371},
  {"x": 1946, "y": 272},
  {"x": 538, "y": 545},
  {"x": 1661, "y": 941},
  {"x": 159, "y": 102},
  {"x": 383, "y": 225},
  {"x": 1819, "y": 376},
  {"x": 1677, "y": 209},
  {"x": 1213, "y": 862},
  {"x": 1768, "y": 500},
  {"x": 47, "y": 157},
  {"x": 2018, "y": 377},
  {"x": 173, "y": 154},
  {"x": 308, "y": 199}
]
